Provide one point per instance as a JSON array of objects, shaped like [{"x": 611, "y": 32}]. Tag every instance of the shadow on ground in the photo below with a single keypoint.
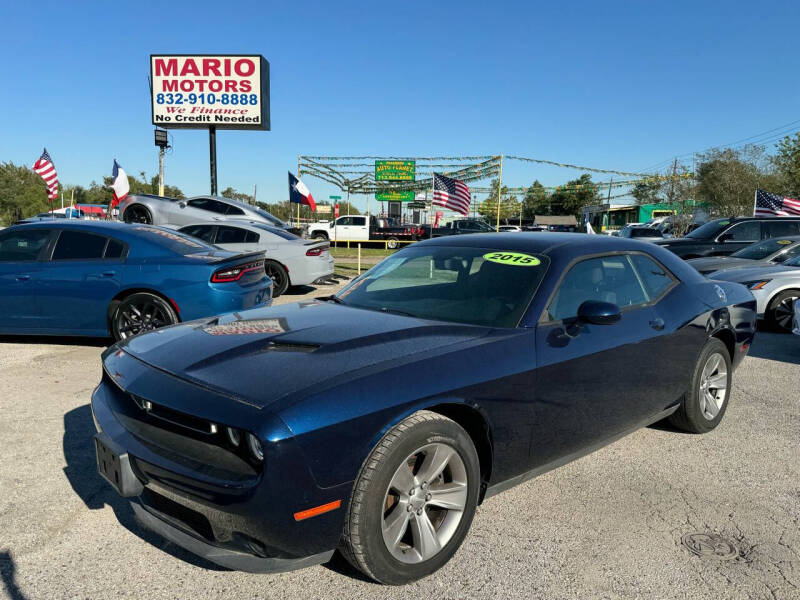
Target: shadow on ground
[
  {"x": 783, "y": 347},
  {"x": 81, "y": 472},
  {"x": 56, "y": 340},
  {"x": 8, "y": 575}
]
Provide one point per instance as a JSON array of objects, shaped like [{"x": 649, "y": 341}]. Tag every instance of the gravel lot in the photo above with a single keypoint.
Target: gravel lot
[{"x": 606, "y": 526}]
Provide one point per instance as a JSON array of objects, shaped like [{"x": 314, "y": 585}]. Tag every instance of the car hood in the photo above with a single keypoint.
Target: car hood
[
  {"x": 717, "y": 263},
  {"x": 263, "y": 355},
  {"x": 756, "y": 273}
]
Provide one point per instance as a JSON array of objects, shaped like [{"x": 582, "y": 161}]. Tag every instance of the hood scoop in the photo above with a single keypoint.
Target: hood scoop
[{"x": 280, "y": 346}]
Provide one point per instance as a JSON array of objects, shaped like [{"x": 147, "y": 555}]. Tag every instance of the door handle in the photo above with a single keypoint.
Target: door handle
[
  {"x": 23, "y": 277},
  {"x": 657, "y": 324}
]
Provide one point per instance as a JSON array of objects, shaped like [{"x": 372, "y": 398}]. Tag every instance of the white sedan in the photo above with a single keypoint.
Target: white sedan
[{"x": 290, "y": 260}]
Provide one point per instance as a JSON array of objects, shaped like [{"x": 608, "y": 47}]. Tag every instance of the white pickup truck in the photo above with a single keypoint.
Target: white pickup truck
[{"x": 359, "y": 228}]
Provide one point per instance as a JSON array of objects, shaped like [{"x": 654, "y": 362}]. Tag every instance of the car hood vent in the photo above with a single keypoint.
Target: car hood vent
[{"x": 279, "y": 346}]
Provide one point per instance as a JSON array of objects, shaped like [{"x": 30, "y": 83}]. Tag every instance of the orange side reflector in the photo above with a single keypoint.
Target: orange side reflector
[{"x": 317, "y": 510}]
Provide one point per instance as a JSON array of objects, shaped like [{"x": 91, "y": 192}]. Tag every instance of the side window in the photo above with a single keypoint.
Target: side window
[
  {"x": 747, "y": 231},
  {"x": 345, "y": 221},
  {"x": 606, "y": 278},
  {"x": 203, "y": 232},
  {"x": 781, "y": 228},
  {"x": 789, "y": 254},
  {"x": 231, "y": 235},
  {"x": 234, "y": 210},
  {"x": 654, "y": 278},
  {"x": 360, "y": 221},
  {"x": 209, "y": 205},
  {"x": 252, "y": 237},
  {"x": 114, "y": 249},
  {"x": 22, "y": 245},
  {"x": 76, "y": 245}
]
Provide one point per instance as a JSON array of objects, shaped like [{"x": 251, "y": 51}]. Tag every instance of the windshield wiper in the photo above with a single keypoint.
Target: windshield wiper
[{"x": 332, "y": 298}]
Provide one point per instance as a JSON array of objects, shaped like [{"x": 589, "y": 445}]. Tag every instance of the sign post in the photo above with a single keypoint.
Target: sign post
[{"x": 209, "y": 91}]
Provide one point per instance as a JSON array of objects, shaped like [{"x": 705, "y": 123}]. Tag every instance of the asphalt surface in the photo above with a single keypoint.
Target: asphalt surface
[{"x": 606, "y": 526}]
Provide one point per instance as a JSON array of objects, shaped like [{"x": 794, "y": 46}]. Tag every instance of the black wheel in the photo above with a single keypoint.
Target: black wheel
[
  {"x": 137, "y": 214},
  {"x": 320, "y": 236},
  {"x": 279, "y": 276},
  {"x": 413, "y": 500},
  {"x": 780, "y": 310},
  {"x": 392, "y": 243},
  {"x": 141, "y": 312},
  {"x": 704, "y": 404}
]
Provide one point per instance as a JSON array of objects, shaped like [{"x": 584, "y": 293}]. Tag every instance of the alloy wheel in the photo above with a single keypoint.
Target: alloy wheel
[
  {"x": 424, "y": 503},
  {"x": 784, "y": 312},
  {"x": 713, "y": 386},
  {"x": 137, "y": 317},
  {"x": 138, "y": 214}
]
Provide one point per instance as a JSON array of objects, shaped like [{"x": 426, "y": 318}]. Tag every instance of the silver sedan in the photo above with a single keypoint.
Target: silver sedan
[
  {"x": 773, "y": 251},
  {"x": 775, "y": 287},
  {"x": 290, "y": 260},
  {"x": 174, "y": 212}
]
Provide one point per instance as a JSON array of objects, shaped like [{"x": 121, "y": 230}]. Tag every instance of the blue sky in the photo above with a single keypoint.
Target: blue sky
[{"x": 620, "y": 85}]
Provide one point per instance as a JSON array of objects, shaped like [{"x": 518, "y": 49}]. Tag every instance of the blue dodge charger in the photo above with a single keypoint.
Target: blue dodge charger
[
  {"x": 95, "y": 278},
  {"x": 376, "y": 420}
]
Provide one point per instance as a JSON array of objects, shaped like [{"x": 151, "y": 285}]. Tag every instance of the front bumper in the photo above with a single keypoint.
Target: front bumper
[{"x": 246, "y": 523}]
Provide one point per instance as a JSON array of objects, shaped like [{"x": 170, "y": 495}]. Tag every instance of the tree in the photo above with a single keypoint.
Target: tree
[
  {"x": 727, "y": 179},
  {"x": 570, "y": 198},
  {"x": 787, "y": 164},
  {"x": 509, "y": 207},
  {"x": 233, "y": 194},
  {"x": 647, "y": 191},
  {"x": 22, "y": 193},
  {"x": 536, "y": 201}
]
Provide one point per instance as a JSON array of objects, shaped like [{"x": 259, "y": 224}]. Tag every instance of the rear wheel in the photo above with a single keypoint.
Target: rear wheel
[
  {"x": 279, "y": 276},
  {"x": 392, "y": 243},
  {"x": 137, "y": 214},
  {"x": 704, "y": 405},
  {"x": 319, "y": 236},
  {"x": 141, "y": 312},
  {"x": 413, "y": 501},
  {"x": 781, "y": 309}
]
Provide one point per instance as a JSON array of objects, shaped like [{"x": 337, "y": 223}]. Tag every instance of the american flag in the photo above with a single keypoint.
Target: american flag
[
  {"x": 451, "y": 194},
  {"x": 773, "y": 204},
  {"x": 45, "y": 168}
]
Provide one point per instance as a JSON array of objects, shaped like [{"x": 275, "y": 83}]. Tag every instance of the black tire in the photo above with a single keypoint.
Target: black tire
[
  {"x": 692, "y": 414},
  {"x": 392, "y": 243},
  {"x": 320, "y": 236},
  {"x": 780, "y": 310},
  {"x": 137, "y": 213},
  {"x": 141, "y": 312},
  {"x": 363, "y": 536},
  {"x": 280, "y": 277}
]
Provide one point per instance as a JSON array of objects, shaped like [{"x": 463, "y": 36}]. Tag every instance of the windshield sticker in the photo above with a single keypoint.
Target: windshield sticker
[
  {"x": 723, "y": 223},
  {"x": 512, "y": 258},
  {"x": 784, "y": 242}
]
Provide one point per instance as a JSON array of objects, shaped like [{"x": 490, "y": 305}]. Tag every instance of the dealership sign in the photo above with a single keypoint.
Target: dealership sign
[
  {"x": 395, "y": 196},
  {"x": 395, "y": 170},
  {"x": 200, "y": 91}
]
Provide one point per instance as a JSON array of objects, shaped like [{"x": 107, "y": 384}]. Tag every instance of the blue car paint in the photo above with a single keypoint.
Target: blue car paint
[
  {"x": 323, "y": 382},
  {"x": 72, "y": 297}
]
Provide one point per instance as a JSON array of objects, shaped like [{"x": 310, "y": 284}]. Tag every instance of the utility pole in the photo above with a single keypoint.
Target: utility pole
[
  {"x": 161, "y": 171},
  {"x": 255, "y": 190}
]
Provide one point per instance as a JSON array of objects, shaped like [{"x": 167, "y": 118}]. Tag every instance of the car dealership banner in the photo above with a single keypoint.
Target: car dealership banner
[{"x": 201, "y": 91}]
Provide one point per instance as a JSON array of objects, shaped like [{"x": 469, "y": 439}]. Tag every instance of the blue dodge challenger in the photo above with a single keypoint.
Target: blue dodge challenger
[
  {"x": 95, "y": 278},
  {"x": 376, "y": 420}
]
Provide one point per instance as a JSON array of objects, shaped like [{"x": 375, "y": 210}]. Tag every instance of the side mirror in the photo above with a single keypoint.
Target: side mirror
[
  {"x": 599, "y": 313},
  {"x": 182, "y": 204},
  {"x": 331, "y": 224}
]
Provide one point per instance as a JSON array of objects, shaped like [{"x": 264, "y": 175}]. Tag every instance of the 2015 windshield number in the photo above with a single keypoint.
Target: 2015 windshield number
[{"x": 512, "y": 258}]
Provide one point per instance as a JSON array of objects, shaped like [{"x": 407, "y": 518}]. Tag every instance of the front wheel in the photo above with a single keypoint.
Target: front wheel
[
  {"x": 781, "y": 310},
  {"x": 139, "y": 313},
  {"x": 279, "y": 276},
  {"x": 704, "y": 405},
  {"x": 413, "y": 501},
  {"x": 137, "y": 214}
]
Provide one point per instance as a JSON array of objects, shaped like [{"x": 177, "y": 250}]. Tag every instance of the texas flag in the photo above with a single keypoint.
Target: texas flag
[
  {"x": 119, "y": 185},
  {"x": 299, "y": 193}
]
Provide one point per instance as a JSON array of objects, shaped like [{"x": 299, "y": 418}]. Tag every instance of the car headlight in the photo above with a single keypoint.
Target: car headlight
[
  {"x": 255, "y": 447},
  {"x": 756, "y": 285}
]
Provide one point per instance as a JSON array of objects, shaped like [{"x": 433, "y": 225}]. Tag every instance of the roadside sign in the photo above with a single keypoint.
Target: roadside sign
[
  {"x": 417, "y": 205},
  {"x": 336, "y": 211},
  {"x": 335, "y": 197},
  {"x": 395, "y": 170},
  {"x": 324, "y": 209},
  {"x": 395, "y": 196}
]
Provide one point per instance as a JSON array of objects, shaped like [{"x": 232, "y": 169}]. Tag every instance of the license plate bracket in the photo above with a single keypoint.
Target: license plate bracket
[{"x": 113, "y": 465}]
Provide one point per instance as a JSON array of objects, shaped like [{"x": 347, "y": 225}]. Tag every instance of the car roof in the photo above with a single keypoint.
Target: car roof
[
  {"x": 107, "y": 226},
  {"x": 541, "y": 243}
]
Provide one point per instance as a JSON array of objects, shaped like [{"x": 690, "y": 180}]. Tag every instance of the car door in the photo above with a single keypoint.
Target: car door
[
  {"x": 20, "y": 251},
  {"x": 737, "y": 236},
  {"x": 202, "y": 232},
  {"x": 359, "y": 229},
  {"x": 778, "y": 228},
  {"x": 343, "y": 228},
  {"x": 593, "y": 381},
  {"x": 79, "y": 281}
]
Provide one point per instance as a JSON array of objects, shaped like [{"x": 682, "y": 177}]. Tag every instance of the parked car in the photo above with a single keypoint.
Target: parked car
[
  {"x": 463, "y": 226},
  {"x": 768, "y": 252},
  {"x": 507, "y": 228},
  {"x": 100, "y": 278},
  {"x": 722, "y": 237},
  {"x": 290, "y": 260},
  {"x": 775, "y": 287},
  {"x": 295, "y": 430},
  {"x": 647, "y": 234},
  {"x": 176, "y": 212},
  {"x": 358, "y": 228}
]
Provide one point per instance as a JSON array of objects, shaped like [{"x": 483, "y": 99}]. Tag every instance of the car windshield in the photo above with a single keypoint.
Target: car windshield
[
  {"x": 761, "y": 250},
  {"x": 709, "y": 230},
  {"x": 479, "y": 286},
  {"x": 282, "y": 233},
  {"x": 271, "y": 218}
]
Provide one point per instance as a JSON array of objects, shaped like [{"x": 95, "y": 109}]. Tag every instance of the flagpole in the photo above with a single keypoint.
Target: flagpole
[
  {"x": 290, "y": 203},
  {"x": 755, "y": 202},
  {"x": 433, "y": 212},
  {"x": 499, "y": 193}
]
